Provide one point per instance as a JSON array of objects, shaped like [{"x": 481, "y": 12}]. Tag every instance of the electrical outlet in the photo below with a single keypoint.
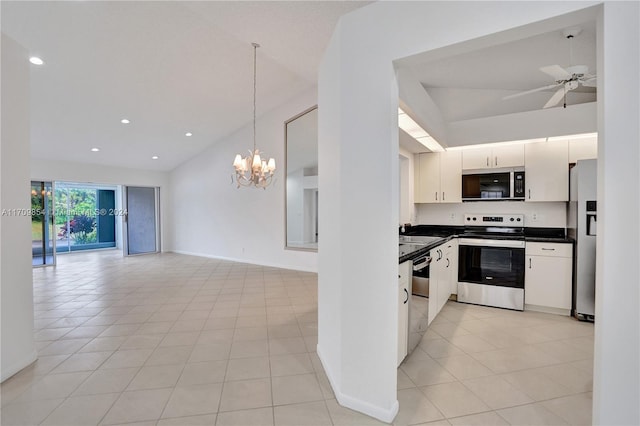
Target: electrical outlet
[
  {"x": 534, "y": 217},
  {"x": 452, "y": 217}
]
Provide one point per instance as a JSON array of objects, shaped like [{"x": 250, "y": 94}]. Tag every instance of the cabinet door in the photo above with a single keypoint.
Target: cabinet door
[
  {"x": 452, "y": 256},
  {"x": 404, "y": 277},
  {"x": 476, "y": 158},
  {"x": 548, "y": 282},
  {"x": 451, "y": 176},
  {"x": 427, "y": 186},
  {"x": 508, "y": 156},
  {"x": 547, "y": 171},
  {"x": 583, "y": 149},
  {"x": 444, "y": 285},
  {"x": 434, "y": 277}
]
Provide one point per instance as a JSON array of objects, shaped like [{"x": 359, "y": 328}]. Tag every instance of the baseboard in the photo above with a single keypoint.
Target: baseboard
[
  {"x": 547, "y": 310},
  {"x": 252, "y": 262},
  {"x": 19, "y": 366},
  {"x": 379, "y": 413}
]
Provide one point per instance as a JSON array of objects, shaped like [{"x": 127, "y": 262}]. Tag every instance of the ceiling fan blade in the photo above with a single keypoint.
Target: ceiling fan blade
[
  {"x": 590, "y": 82},
  {"x": 556, "y": 71},
  {"x": 557, "y": 97},
  {"x": 539, "y": 89}
]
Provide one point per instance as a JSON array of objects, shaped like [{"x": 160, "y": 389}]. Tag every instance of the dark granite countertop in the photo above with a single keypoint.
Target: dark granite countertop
[{"x": 413, "y": 248}]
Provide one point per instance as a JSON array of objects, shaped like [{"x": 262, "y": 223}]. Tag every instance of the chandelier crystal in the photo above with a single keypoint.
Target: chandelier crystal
[{"x": 252, "y": 170}]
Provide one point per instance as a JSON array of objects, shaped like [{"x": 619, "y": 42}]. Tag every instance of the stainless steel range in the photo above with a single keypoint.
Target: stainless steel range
[{"x": 491, "y": 261}]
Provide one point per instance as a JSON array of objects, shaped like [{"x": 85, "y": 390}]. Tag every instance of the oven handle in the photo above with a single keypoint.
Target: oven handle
[
  {"x": 480, "y": 242},
  {"x": 422, "y": 263}
]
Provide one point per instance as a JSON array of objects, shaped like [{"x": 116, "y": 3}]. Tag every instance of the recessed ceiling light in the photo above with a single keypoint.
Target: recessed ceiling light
[
  {"x": 36, "y": 61},
  {"x": 95, "y": 149},
  {"x": 188, "y": 134},
  {"x": 125, "y": 121},
  {"x": 155, "y": 157}
]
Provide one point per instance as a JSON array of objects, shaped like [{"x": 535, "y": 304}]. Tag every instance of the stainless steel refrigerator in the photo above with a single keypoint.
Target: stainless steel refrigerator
[{"x": 582, "y": 225}]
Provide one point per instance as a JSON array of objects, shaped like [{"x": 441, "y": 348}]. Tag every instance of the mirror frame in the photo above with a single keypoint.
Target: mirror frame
[{"x": 286, "y": 167}]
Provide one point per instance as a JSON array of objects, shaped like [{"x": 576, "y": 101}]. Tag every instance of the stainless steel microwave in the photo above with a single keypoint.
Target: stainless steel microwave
[{"x": 493, "y": 185}]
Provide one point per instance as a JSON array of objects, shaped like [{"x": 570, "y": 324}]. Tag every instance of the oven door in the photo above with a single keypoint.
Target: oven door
[{"x": 491, "y": 272}]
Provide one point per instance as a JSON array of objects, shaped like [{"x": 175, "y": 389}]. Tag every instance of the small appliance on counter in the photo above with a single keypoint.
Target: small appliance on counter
[{"x": 582, "y": 227}]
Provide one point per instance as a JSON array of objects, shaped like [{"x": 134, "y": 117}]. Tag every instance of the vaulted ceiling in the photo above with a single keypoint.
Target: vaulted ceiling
[{"x": 169, "y": 67}]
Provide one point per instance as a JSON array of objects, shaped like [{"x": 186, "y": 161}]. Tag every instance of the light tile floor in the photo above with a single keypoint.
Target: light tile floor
[{"x": 178, "y": 340}]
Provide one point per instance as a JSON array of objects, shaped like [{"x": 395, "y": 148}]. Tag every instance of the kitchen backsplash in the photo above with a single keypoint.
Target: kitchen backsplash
[{"x": 552, "y": 215}]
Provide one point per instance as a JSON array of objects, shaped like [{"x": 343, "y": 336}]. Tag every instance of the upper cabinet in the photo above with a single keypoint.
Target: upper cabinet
[
  {"x": 438, "y": 177},
  {"x": 583, "y": 149},
  {"x": 493, "y": 157},
  {"x": 547, "y": 171}
]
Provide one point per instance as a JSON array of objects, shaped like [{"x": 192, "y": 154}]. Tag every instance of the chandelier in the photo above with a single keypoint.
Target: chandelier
[{"x": 252, "y": 170}]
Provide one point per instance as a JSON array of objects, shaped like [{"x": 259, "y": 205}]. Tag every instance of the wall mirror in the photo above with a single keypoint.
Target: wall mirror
[{"x": 301, "y": 194}]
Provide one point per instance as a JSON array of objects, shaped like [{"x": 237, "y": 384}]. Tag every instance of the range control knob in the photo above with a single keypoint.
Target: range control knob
[
  {"x": 468, "y": 218},
  {"x": 474, "y": 219},
  {"x": 518, "y": 219},
  {"x": 511, "y": 219}
]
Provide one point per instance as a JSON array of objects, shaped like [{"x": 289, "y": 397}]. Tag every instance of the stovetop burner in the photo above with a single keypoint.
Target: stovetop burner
[{"x": 502, "y": 226}]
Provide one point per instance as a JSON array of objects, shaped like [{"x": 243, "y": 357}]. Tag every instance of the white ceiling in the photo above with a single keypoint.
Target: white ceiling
[
  {"x": 169, "y": 67},
  {"x": 472, "y": 85}
]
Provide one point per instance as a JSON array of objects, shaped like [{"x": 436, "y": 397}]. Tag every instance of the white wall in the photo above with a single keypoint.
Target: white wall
[
  {"x": 616, "y": 376},
  {"x": 211, "y": 217},
  {"x": 17, "y": 344},
  {"x": 536, "y": 215},
  {"x": 64, "y": 171},
  {"x": 358, "y": 101}
]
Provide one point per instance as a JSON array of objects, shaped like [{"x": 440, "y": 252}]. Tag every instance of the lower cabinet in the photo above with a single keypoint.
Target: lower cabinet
[
  {"x": 404, "y": 292},
  {"x": 440, "y": 276},
  {"x": 548, "y": 277},
  {"x": 451, "y": 254}
]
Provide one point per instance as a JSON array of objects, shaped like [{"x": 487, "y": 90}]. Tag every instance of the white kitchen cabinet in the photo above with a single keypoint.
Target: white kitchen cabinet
[
  {"x": 547, "y": 171},
  {"x": 440, "y": 278},
  {"x": 404, "y": 290},
  {"x": 548, "y": 277},
  {"x": 493, "y": 157},
  {"x": 427, "y": 178},
  {"x": 438, "y": 177},
  {"x": 451, "y": 176},
  {"x": 583, "y": 149},
  {"x": 451, "y": 254}
]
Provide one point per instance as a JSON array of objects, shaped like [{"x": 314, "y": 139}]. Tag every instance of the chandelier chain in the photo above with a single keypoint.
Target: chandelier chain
[
  {"x": 255, "y": 49},
  {"x": 253, "y": 170}
]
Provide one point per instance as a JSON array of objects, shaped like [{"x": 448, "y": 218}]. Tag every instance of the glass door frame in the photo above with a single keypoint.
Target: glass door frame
[{"x": 48, "y": 220}]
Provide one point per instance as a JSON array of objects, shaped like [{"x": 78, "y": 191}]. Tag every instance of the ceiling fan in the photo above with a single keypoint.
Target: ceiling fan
[{"x": 566, "y": 79}]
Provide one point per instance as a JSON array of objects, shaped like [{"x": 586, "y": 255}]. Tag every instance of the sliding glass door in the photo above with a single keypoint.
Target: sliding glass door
[
  {"x": 85, "y": 216},
  {"x": 42, "y": 224}
]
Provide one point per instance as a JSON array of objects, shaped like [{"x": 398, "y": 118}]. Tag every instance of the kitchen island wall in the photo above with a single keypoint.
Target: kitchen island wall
[{"x": 551, "y": 215}]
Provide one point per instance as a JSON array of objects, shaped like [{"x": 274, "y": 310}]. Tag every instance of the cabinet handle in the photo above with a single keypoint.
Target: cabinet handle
[
  {"x": 442, "y": 195},
  {"x": 496, "y": 161},
  {"x": 487, "y": 161},
  {"x": 436, "y": 195},
  {"x": 548, "y": 249},
  {"x": 407, "y": 299},
  {"x": 448, "y": 262},
  {"x": 529, "y": 194},
  {"x": 529, "y": 263}
]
